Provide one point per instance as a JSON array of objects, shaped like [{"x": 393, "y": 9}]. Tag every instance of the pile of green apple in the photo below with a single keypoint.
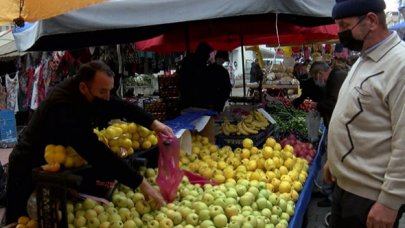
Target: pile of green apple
[
  {"x": 242, "y": 204},
  {"x": 273, "y": 164}
]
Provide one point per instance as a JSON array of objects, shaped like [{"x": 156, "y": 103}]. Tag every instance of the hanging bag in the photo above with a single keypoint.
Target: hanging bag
[{"x": 169, "y": 174}]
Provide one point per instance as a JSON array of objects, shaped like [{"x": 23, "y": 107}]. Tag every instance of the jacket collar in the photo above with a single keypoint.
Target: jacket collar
[{"x": 380, "y": 50}]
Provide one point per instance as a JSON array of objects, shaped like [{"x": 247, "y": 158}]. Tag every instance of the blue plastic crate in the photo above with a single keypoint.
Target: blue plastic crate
[{"x": 8, "y": 129}]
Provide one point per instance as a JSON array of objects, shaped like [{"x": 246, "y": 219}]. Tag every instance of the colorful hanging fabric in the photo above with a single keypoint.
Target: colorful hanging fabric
[{"x": 12, "y": 87}]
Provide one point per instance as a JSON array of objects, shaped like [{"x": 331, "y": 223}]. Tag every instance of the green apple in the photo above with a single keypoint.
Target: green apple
[
  {"x": 142, "y": 207},
  {"x": 114, "y": 217},
  {"x": 80, "y": 221},
  {"x": 254, "y": 206},
  {"x": 282, "y": 204},
  {"x": 220, "y": 202},
  {"x": 111, "y": 210},
  {"x": 80, "y": 213},
  {"x": 256, "y": 213},
  {"x": 247, "y": 225},
  {"x": 166, "y": 223},
  {"x": 266, "y": 212},
  {"x": 265, "y": 193},
  {"x": 219, "y": 194},
  {"x": 103, "y": 217},
  {"x": 254, "y": 191},
  {"x": 185, "y": 203},
  {"x": 125, "y": 213},
  {"x": 198, "y": 206},
  {"x": 246, "y": 199},
  {"x": 98, "y": 209},
  {"x": 244, "y": 182},
  {"x": 285, "y": 216},
  {"x": 231, "y": 193},
  {"x": 229, "y": 201},
  {"x": 90, "y": 213},
  {"x": 234, "y": 224},
  {"x": 175, "y": 216},
  {"x": 261, "y": 203},
  {"x": 207, "y": 198},
  {"x": 282, "y": 224},
  {"x": 204, "y": 214},
  {"x": 78, "y": 206},
  {"x": 129, "y": 224},
  {"x": 184, "y": 211},
  {"x": 206, "y": 224},
  {"x": 70, "y": 217},
  {"x": 134, "y": 213},
  {"x": 105, "y": 224},
  {"x": 192, "y": 219},
  {"x": 207, "y": 187},
  {"x": 138, "y": 222},
  {"x": 137, "y": 196},
  {"x": 231, "y": 210},
  {"x": 247, "y": 208},
  {"x": 215, "y": 210},
  {"x": 153, "y": 224},
  {"x": 220, "y": 220},
  {"x": 276, "y": 210},
  {"x": 252, "y": 220},
  {"x": 273, "y": 198},
  {"x": 160, "y": 216},
  {"x": 93, "y": 223},
  {"x": 269, "y": 225},
  {"x": 238, "y": 218},
  {"x": 89, "y": 203},
  {"x": 70, "y": 207},
  {"x": 147, "y": 217},
  {"x": 240, "y": 189},
  {"x": 262, "y": 186},
  {"x": 274, "y": 219},
  {"x": 260, "y": 221},
  {"x": 290, "y": 209},
  {"x": 247, "y": 213}
]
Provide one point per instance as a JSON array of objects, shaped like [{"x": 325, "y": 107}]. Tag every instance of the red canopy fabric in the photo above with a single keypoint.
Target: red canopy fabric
[{"x": 227, "y": 35}]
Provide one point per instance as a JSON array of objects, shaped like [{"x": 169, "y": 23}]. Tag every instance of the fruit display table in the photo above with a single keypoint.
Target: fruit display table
[{"x": 305, "y": 195}]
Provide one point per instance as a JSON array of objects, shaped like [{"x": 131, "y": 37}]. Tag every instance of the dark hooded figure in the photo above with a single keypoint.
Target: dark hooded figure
[{"x": 191, "y": 73}]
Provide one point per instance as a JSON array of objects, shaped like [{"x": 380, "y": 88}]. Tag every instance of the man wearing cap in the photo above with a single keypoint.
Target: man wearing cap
[{"x": 366, "y": 140}]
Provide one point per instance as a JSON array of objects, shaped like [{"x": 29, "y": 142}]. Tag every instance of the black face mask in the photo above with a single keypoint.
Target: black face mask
[{"x": 347, "y": 40}]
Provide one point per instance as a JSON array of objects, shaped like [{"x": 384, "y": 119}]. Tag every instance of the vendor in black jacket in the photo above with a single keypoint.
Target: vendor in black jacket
[{"x": 67, "y": 117}]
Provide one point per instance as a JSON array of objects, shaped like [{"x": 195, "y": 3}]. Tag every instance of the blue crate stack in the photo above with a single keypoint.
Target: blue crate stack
[{"x": 8, "y": 129}]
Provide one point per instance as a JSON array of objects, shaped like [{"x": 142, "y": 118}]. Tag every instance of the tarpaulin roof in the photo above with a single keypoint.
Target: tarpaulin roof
[
  {"x": 227, "y": 35},
  {"x": 38, "y": 9},
  {"x": 119, "y": 21}
]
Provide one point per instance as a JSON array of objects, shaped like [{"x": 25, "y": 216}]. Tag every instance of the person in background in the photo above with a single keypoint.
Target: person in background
[
  {"x": 256, "y": 73},
  {"x": 192, "y": 73},
  {"x": 308, "y": 90},
  {"x": 300, "y": 72},
  {"x": 217, "y": 83},
  {"x": 67, "y": 117},
  {"x": 366, "y": 147}
]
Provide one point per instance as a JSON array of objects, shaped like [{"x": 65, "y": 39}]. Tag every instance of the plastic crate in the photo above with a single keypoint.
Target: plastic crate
[
  {"x": 235, "y": 141},
  {"x": 8, "y": 128}
]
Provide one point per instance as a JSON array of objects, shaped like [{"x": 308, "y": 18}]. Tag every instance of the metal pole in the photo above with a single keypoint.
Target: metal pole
[{"x": 243, "y": 64}]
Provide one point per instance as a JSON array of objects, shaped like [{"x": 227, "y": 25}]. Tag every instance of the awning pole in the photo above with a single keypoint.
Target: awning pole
[{"x": 243, "y": 64}]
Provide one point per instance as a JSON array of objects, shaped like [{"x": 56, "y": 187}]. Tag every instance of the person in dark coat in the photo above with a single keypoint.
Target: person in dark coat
[
  {"x": 217, "y": 83},
  {"x": 330, "y": 79},
  {"x": 191, "y": 74},
  {"x": 67, "y": 117},
  {"x": 308, "y": 90}
]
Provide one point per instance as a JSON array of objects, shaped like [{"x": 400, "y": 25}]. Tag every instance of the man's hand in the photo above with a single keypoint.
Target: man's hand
[
  {"x": 381, "y": 216},
  {"x": 151, "y": 193},
  {"x": 327, "y": 175},
  {"x": 158, "y": 126}
]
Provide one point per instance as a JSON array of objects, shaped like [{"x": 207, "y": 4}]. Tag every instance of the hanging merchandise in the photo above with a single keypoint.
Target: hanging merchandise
[{"x": 12, "y": 87}]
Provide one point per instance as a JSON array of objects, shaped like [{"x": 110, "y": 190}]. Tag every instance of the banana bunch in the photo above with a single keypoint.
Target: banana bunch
[
  {"x": 249, "y": 125},
  {"x": 228, "y": 128}
]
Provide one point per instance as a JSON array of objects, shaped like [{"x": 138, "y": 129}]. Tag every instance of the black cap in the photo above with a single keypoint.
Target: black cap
[{"x": 352, "y": 8}]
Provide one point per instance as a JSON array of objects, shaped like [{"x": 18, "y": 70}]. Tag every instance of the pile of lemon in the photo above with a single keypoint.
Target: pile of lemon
[
  {"x": 124, "y": 138},
  {"x": 58, "y": 155}
]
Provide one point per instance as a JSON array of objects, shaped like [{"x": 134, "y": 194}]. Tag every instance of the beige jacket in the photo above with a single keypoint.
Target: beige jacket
[{"x": 366, "y": 140}]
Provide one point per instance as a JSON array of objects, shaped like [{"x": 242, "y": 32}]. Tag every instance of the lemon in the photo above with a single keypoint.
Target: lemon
[
  {"x": 284, "y": 187},
  {"x": 152, "y": 139},
  {"x": 143, "y": 131},
  {"x": 270, "y": 142},
  {"x": 135, "y": 145},
  {"x": 59, "y": 154},
  {"x": 132, "y": 127},
  {"x": 69, "y": 162},
  {"x": 247, "y": 143},
  {"x": 277, "y": 146},
  {"x": 146, "y": 144}
]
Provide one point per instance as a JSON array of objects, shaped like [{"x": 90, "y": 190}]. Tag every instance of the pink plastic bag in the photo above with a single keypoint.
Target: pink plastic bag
[
  {"x": 197, "y": 179},
  {"x": 169, "y": 174}
]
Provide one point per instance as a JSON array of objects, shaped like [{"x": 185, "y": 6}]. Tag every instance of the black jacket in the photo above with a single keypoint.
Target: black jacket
[
  {"x": 326, "y": 105},
  {"x": 308, "y": 90},
  {"x": 66, "y": 118}
]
